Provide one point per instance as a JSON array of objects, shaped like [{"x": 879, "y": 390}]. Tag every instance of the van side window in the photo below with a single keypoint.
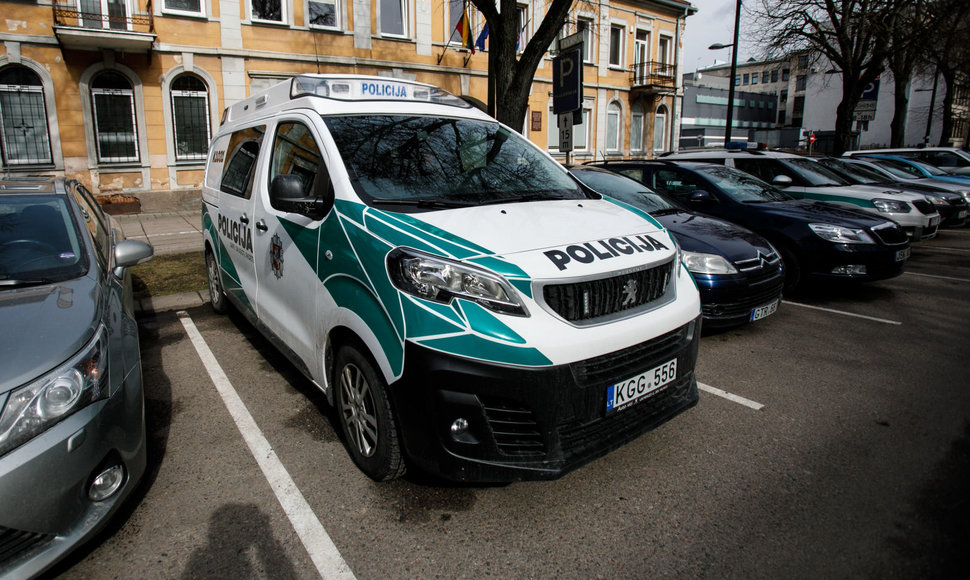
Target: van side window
[
  {"x": 237, "y": 174},
  {"x": 295, "y": 152}
]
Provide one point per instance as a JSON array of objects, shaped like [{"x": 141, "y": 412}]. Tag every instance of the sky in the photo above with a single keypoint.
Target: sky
[{"x": 713, "y": 22}]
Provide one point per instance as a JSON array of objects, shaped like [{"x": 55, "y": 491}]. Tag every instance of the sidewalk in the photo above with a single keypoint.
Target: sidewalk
[{"x": 174, "y": 232}]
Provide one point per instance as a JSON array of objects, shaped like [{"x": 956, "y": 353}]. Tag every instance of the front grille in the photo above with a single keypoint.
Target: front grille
[
  {"x": 13, "y": 543},
  {"x": 514, "y": 428},
  {"x": 608, "y": 368},
  {"x": 577, "y": 438},
  {"x": 890, "y": 234},
  {"x": 593, "y": 299},
  {"x": 924, "y": 206},
  {"x": 744, "y": 305},
  {"x": 760, "y": 268}
]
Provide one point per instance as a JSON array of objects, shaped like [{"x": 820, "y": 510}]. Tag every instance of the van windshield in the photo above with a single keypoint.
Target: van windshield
[{"x": 436, "y": 162}]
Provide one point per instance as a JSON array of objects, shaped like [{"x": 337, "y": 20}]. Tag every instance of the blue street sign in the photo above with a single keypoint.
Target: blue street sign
[{"x": 567, "y": 81}]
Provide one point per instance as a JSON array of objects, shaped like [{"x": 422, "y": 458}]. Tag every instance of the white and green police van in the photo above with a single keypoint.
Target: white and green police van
[{"x": 467, "y": 306}]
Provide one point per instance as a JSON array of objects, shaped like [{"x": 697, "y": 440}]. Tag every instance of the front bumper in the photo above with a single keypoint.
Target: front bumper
[
  {"x": 45, "y": 511},
  {"x": 729, "y": 300},
  {"x": 533, "y": 423},
  {"x": 838, "y": 260}
]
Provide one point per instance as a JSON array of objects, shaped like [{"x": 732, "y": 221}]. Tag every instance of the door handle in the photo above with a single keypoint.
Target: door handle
[
  {"x": 244, "y": 218},
  {"x": 261, "y": 226}
]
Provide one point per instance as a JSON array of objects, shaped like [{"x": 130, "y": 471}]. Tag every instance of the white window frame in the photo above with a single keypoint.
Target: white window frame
[
  {"x": 181, "y": 11},
  {"x": 405, "y": 20},
  {"x": 33, "y": 90},
  {"x": 204, "y": 95},
  {"x": 284, "y": 14},
  {"x": 552, "y": 133},
  {"x": 338, "y": 6},
  {"x": 621, "y": 49},
  {"x": 524, "y": 10},
  {"x": 636, "y": 137},
  {"x": 613, "y": 127},
  {"x": 588, "y": 40},
  {"x": 130, "y": 93},
  {"x": 659, "y": 120},
  {"x": 103, "y": 24},
  {"x": 451, "y": 23}
]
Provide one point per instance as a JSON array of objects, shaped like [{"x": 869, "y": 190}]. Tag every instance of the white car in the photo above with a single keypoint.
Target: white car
[
  {"x": 950, "y": 159},
  {"x": 805, "y": 178}
]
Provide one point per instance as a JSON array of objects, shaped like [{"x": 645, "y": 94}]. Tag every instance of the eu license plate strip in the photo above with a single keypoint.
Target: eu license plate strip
[
  {"x": 625, "y": 393},
  {"x": 903, "y": 254},
  {"x": 763, "y": 311}
]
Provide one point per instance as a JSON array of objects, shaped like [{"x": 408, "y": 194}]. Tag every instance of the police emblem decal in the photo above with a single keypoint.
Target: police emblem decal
[
  {"x": 630, "y": 292},
  {"x": 276, "y": 255}
]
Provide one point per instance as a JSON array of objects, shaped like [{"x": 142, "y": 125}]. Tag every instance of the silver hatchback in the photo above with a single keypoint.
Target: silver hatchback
[{"x": 72, "y": 420}]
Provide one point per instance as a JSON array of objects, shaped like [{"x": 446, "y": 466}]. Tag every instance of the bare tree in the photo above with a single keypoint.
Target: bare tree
[
  {"x": 911, "y": 32},
  {"x": 852, "y": 34},
  {"x": 510, "y": 74},
  {"x": 950, "y": 53}
]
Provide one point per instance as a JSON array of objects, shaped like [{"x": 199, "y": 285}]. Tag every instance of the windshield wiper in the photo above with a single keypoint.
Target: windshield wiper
[
  {"x": 421, "y": 202},
  {"x": 31, "y": 282}
]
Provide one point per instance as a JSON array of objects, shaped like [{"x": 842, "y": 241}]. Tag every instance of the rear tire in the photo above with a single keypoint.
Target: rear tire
[
  {"x": 366, "y": 417},
  {"x": 217, "y": 296}
]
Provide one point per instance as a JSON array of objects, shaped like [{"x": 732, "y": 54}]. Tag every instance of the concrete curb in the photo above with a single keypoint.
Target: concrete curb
[{"x": 156, "y": 304}]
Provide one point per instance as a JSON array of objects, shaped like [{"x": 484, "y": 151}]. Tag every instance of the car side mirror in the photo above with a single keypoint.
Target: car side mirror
[
  {"x": 781, "y": 180},
  {"x": 701, "y": 197},
  {"x": 130, "y": 253},
  {"x": 286, "y": 193}
]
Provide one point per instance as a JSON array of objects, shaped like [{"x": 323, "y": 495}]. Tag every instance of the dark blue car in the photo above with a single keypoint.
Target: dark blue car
[
  {"x": 738, "y": 273},
  {"x": 815, "y": 239}
]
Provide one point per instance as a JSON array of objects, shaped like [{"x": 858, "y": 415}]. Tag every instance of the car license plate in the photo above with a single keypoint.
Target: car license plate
[
  {"x": 934, "y": 221},
  {"x": 903, "y": 254},
  {"x": 625, "y": 393},
  {"x": 763, "y": 311},
  {"x": 961, "y": 214}
]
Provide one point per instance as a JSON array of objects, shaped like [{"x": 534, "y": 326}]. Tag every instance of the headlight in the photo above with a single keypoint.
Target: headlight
[
  {"x": 440, "y": 279},
  {"x": 699, "y": 263},
  {"x": 891, "y": 206},
  {"x": 841, "y": 234},
  {"x": 36, "y": 407},
  {"x": 937, "y": 200},
  {"x": 966, "y": 195}
]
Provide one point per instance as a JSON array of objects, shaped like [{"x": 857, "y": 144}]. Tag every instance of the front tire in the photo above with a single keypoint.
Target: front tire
[
  {"x": 217, "y": 295},
  {"x": 366, "y": 417}
]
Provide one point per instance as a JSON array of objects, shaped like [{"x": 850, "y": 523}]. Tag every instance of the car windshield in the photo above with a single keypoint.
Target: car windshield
[
  {"x": 741, "y": 187},
  {"x": 815, "y": 174},
  {"x": 623, "y": 188},
  {"x": 434, "y": 162},
  {"x": 39, "y": 241},
  {"x": 856, "y": 173}
]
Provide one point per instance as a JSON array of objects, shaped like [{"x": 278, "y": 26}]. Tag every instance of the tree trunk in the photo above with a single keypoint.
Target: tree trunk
[
  {"x": 949, "y": 89},
  {"x": 901, "y": 80}
]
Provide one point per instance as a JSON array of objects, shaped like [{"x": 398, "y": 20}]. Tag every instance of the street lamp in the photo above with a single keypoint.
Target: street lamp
[{"x": 734, "y": 72}]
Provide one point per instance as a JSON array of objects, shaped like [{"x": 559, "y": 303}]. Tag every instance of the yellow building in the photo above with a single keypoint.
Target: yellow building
[{"x": 125, "y": 94}]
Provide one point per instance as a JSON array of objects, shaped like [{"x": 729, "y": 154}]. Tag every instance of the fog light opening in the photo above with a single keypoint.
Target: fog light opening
[
  {"x": 459, "y": 427},
  {"x": 107, "y": 483},
  {"x": 850, "y": 270}
]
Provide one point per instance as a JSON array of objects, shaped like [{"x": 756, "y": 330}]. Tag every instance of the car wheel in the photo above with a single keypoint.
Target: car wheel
[
  {"x": 366, "y": 418},
  {"x": 217, "y": 296},
  {"x": 793, "y": 268}
]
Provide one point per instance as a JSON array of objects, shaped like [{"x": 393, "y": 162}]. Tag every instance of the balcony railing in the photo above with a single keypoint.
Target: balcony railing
[
  {"x": 93, "y": 29},
  {"x": 653, "y": 75}
]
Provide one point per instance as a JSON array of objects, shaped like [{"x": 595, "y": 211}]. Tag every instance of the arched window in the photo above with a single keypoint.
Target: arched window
[
  {"x": 613, "y": 127},
  {"x": 660, "y": 128},
  {"x": 636, "y": 127},
  {"x": 25, "y": 137},
  {"x": 190, "y": 115},
  {"x": 115, "y": 132}
]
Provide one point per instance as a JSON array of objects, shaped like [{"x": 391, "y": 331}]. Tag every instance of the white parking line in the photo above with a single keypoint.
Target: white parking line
[
  {"x": 730, "y": 397},
  {"x": 844, "y": 313},
  {"x": 323, "y": 552},
  {"x": 944, "y": 248},
  {"x": 940, "y": 277}
]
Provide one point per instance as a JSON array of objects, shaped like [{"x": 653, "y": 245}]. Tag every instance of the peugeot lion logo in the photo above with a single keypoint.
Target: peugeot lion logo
[{"x": 630, "y": 292}]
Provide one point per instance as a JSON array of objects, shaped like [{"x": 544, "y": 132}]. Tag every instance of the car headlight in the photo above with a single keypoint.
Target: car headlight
[
  {"x": 966, "y": 195},
  {"x": 440, "y": 279},
  {"x": 891, "y": 206},
  {"x": 937, "y": 200},
  {"x": 36, "y": 407},
  {"x": 699, "y": 263},
  {"x": 841, "y": 234}
]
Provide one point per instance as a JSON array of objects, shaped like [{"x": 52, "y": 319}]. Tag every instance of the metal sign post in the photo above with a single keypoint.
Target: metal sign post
[{"x": 567, "y": 88}]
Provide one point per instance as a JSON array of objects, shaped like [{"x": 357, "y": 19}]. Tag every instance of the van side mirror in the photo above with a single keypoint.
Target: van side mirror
[
  {"x": 701, "y": 197},
  {"x": 286, "y": 194},
  {"x": 781, "y": 180}
]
